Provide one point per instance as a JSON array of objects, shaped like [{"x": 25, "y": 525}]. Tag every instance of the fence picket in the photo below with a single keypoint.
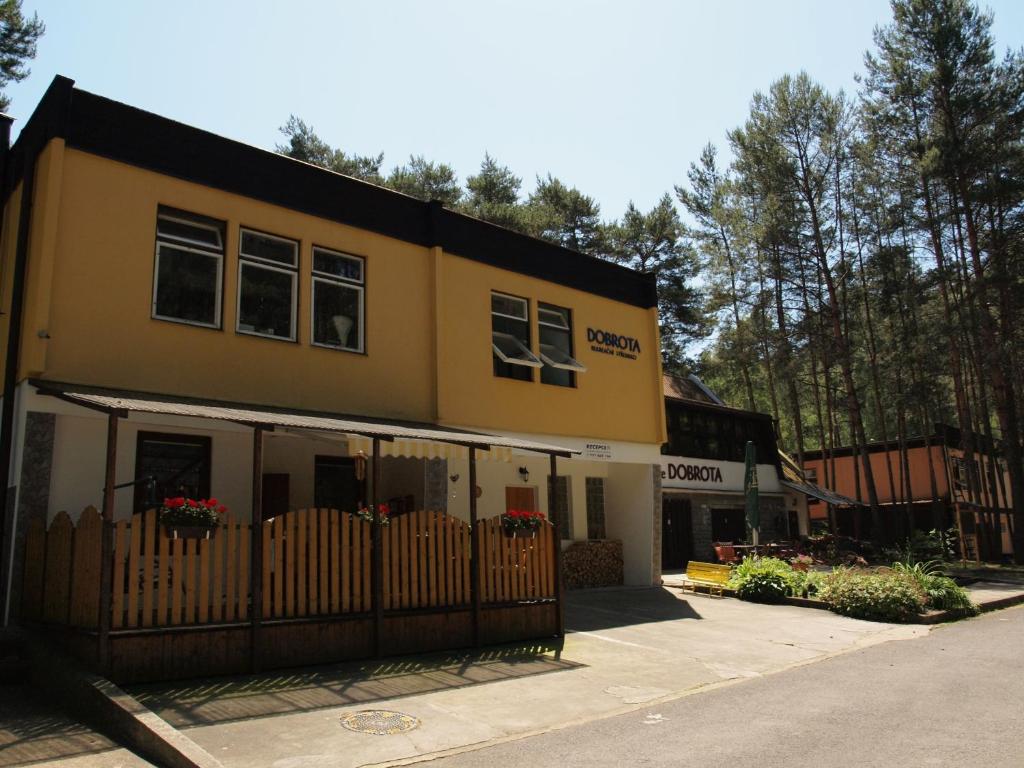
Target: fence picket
[
  {"x": 35, "y": 561},
  {"x": 348, "y": 559},
  {"x": 119, "y": 585},
  {"x": 244, "y": 548},
  {"x": 336, "y": 562},
  {"x": 217, "y": 575},
  {"x": 149, "y": 542},
  {"x": 324, "y": 567},
  {"x": 367, "y": 589}
]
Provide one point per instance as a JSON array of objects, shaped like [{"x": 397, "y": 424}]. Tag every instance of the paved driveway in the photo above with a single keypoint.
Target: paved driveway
[{"x": 625, "y": 648}]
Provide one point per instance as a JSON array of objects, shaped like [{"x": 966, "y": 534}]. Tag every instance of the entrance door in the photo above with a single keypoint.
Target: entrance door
[
  {"x": 676, "y": 533},
  {"x": 335, "y": 485},
  {"x": 728, "y": 525}
]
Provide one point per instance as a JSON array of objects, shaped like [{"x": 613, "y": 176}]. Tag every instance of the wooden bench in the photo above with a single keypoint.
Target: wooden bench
[{"x": 709, "y": 575}]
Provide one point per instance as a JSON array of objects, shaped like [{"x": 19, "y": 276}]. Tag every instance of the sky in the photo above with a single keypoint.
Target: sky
[{"x": 616, "y": 99}]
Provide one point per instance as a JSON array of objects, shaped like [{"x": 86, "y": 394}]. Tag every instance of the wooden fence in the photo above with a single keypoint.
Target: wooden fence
[{"x": 316, "y": 563}]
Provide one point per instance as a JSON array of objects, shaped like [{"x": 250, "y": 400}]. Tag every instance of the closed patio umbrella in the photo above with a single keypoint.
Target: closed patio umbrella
[{"x": 753, "y": 503}]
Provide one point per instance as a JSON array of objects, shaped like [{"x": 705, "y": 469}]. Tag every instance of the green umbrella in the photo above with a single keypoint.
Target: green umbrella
[{"x": 750, "y": 491}]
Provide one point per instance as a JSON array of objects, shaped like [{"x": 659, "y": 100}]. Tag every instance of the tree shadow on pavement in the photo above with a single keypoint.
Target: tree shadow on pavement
[{"x": 219, "y": 700}]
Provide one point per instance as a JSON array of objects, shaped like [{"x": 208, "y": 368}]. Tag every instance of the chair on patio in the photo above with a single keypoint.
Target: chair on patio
[{"x": 725, "y": 553}]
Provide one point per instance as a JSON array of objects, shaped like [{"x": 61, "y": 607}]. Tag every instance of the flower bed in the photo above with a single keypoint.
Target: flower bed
[{"x": 903, "y": 592}]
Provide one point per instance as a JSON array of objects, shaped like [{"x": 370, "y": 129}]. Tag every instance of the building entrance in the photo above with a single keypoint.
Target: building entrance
[{"x": 676, "y": 533}]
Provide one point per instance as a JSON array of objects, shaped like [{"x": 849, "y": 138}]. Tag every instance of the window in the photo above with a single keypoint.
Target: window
[
  {"x": 338, "y": 305},
  {"x": 267, "y": 271},
  {"x": 560, "y": 366},
  {"x": 189, "y": 269},
  {"x": 595, "y": 508},
  {"x": 335, "y": 485},
  {"x": 562, "y": 513},
  {"x": 510, "y": 338},
  {"x": 179, "y": 465}
]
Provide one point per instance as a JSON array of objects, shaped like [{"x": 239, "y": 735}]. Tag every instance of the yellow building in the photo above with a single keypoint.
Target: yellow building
[{"x": 144, "y": 260}]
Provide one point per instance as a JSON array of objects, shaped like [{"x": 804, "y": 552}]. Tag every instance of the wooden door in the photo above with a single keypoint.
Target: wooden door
[
  {"x": 729, "y": 525},
  {"x": 521, "y": 497},
  {"x": 276, "y": 487},
  {"x": 676, "y": 533}
]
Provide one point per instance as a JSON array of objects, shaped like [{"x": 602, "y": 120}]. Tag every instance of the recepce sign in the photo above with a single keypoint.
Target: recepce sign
[{"x": 608, "y": 343}]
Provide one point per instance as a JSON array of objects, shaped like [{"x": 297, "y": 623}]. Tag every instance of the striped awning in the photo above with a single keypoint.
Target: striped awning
[
  {"x": 398, "y": 438},
  {"x": 420, "y": 449}
]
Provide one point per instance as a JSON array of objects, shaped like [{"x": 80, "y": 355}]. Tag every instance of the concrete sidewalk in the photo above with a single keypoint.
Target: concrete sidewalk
[{"x": 624, "y": 648}]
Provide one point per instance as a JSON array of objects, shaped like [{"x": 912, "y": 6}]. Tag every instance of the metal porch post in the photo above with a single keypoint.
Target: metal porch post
[
  {"x": 107, "y": 545},
  {"x": 559, "y": 583},
  {"x": 256, "y": 548},
  {"x": 378, "y": 554},
  {"x": 474, "y": 549}
]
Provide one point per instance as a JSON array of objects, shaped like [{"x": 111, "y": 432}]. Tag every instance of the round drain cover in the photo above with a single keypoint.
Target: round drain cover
[{"x": 379, "y": 722}]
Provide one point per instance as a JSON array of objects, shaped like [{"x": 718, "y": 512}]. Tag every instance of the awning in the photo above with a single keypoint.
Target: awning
[
  {"x": 822, "y": 494},
  {"x": 398, "y": 438}
]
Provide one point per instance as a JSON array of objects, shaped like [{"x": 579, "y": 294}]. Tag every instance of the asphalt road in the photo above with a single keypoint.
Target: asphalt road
[{"x": 952, "y": 698}]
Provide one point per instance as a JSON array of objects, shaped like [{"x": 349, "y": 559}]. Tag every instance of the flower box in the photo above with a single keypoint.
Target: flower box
[
  {"x": 521, "y": 524},
  {"x": 191, "y": 531}
]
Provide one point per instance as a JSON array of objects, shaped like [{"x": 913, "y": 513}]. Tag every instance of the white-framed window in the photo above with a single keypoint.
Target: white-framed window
[
  {"x": 560, "y": 367},
  {"x": 188, "y": 273},
  {"x": 267, "y": 285},
  {"x": 510, "y": 338},
  {"x": 338, "y": 310}
]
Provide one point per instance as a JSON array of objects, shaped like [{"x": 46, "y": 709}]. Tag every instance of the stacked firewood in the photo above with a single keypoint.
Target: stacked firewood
[{"x": 592, "y": 564}]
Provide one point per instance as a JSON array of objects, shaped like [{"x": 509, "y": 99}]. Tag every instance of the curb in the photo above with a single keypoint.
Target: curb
[{"x": 98, "y": 701}]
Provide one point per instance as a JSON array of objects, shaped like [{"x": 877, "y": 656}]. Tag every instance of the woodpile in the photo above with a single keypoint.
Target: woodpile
[{"x": 592, "y": 564}]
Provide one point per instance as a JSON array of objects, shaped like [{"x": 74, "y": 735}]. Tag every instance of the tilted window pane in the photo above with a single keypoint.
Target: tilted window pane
[
  {"x": 187, "y": 285},
  {"x": 265, "y": 305},
  {"x": 270, "y": 248},
  {"x": 338, "y": 265},
  {"x": 508, "y": 305},
  {"x": 194, "y": 233},
  {"x": 556, "y": 317},
  {"x": 337, "y": 315},
  {"x": 556, "y": 347}
]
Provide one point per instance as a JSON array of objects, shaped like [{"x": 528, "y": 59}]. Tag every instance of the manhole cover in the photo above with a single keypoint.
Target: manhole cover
[{"x": 379, "y": 722}]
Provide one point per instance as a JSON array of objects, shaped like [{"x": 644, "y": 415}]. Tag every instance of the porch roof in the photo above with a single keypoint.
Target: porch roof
[
  {"x": 388, "y": 431},
  {"x": 823, "y": 494}
]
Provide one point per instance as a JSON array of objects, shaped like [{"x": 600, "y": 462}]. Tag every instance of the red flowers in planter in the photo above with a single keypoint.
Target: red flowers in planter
[
  {"x": 522, "y": 519},
  {"x": 182, "y": 511},
  {"x": 382, "y": 515}
]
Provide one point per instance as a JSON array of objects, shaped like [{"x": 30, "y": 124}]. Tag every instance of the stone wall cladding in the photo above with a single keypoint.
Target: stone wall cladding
[
  {"x": 33, "y": 489},
  {"x": 435, "y": 484},
  {"x": 587, "y": 564}
]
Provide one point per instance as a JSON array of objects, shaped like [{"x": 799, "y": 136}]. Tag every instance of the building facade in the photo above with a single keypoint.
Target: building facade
[
  {"x": 146, "y": 259},
  {"x": 702, "y": 475},
  {"x": 928, "y": 485}
]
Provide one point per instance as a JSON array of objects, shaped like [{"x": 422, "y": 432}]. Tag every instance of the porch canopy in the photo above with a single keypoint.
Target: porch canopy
[
  {"x": 397, "y": 438},
  {"x": 822, "y": 494}
]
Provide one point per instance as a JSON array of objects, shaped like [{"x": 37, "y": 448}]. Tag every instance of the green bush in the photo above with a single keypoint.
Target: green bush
[
  {"x": 941, "y": 592},
  {"x": 874, "y": 595},
  {"x": 763, "y": 579},
  {"x": 927, "y": 547}
]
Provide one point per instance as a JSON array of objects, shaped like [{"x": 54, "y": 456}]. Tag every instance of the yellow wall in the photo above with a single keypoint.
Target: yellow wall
[
  {"x": 89, "y": 287},
  {"x": 616, "y": 398}
]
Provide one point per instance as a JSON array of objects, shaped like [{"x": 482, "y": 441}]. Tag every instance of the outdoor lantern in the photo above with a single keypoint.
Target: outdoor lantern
[
  {"x": 524, "y": 473},
  {"x": 454, "y": 478}
]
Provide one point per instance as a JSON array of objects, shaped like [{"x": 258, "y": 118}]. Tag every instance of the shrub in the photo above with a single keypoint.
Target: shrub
[
  {"x": 874, "y": 595},
  {"x": 926, "y": 547},
  {"x": 763, "y": 579},
  {"x": 941, "y": 592}
]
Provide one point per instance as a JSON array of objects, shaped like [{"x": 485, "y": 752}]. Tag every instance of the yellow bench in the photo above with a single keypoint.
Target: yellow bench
[{"x": 709, "y": 575}]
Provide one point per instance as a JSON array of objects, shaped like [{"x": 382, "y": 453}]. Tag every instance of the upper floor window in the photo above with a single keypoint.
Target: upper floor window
[
  {"x": 338, "y": 300},
  {"x": 189, "y": 270},
  {"x": 560, "y": 366},
  {"x": 510, "y": 338},
  {"x": 267, "y": 274}
]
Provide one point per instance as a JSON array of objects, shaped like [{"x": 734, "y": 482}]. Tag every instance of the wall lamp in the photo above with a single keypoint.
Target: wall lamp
[
  {"x": 454, "y": 478},
  {"x": 524, "y": 474}
]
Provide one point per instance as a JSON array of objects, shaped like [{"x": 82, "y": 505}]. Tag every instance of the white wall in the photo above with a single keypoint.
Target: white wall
[
  {"x": 629, "y": 516},
  {"x": 79, "y": 458}
]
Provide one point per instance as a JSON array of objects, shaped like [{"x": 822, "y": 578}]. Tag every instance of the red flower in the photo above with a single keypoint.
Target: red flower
[{"x": 222, "y": 509}]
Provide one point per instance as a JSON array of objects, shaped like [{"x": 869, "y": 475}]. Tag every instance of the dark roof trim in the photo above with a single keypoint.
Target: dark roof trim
[
  {"x": 119, "y": 132},
  {"x": 822, "y": 494},
  {"x": 943, "y": 435},
  {"x": 697, "y": 405}
]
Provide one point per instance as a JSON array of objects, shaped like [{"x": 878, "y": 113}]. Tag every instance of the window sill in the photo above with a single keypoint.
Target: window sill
[
  {"x": 257, "y": 335},
  {"x": 192, "y": 323},
  {"x": 349, "y": 350}
]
